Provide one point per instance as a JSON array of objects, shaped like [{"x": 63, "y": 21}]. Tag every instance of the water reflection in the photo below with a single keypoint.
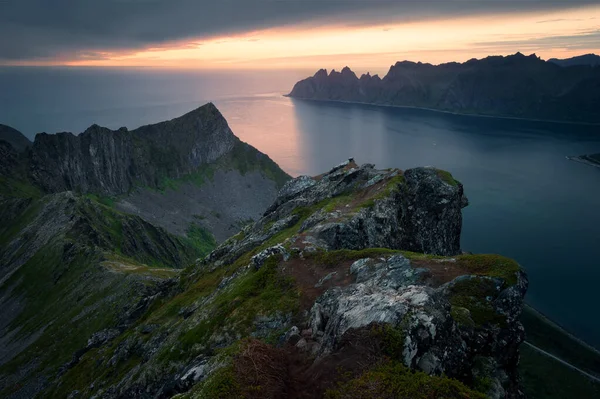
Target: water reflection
[{"x": 527, "y": 201}]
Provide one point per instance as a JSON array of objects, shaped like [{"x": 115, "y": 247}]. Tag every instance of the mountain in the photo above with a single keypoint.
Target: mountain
[
  {"x": 76, "y": 270},
  {"x": 352, "y": 284},
  {"x": 586, "y": 59},
  {"x": 591, "y": 159},
  {"x": 514, "y": 86},
  {"x": 13, "y": 137},
  {"x": 188, "y": 173}
]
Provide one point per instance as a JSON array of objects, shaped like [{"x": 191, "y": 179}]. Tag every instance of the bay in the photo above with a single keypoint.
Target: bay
[{"x": 527, "y": 201}]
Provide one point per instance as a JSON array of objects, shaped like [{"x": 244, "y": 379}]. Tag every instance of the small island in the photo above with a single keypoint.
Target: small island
[{"x": 592, "y": 159}]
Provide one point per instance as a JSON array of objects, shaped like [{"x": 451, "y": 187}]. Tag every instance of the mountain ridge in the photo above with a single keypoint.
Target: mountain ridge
[
  {"x": 516, "y": 86},
  {"x": 193, "y": 167}
]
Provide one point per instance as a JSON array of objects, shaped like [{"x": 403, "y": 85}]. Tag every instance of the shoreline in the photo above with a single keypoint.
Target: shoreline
[
  {"x": 582, "y": 159},
  {"x": 552, "y": 323},
  {"x": 446, "y": 112}
]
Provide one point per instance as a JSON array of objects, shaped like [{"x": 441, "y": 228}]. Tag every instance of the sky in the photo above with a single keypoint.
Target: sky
[{"x": 299, "y": 34}]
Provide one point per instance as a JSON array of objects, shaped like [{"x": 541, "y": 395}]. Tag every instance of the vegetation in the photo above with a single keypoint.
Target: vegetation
[
  {"x": 18, "y": 188},
  {"x": 546, "y": 378},
  {"x": 257, "y": 292},
  {"x": 546, "y": 335},
  {"x": 447, "y": 177},
  {"x": 474, "y": 295},
  {"x": 391, "y": 185},
  {"x": 393, "y": 380},
  {"x": 201, "y": 238},
  {"x": 490, "y": 265},
  {"x": 243, "y": 158}
]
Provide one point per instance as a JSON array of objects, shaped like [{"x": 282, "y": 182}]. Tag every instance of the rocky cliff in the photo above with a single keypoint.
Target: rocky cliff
[
  {"x": 187, "y": 175},
  {"x": 112, "y": 162},
  {"x": 514, "y": 86},
  {"x": 351, "y": 285}
]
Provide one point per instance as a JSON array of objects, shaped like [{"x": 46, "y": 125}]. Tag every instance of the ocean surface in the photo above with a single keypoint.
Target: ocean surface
[{"x": 527, "y": 201}]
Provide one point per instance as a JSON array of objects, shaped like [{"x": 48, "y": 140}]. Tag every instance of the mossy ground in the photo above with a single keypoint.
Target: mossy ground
[
  {"x": 490, "y": 265},
  {"x": 243, "y": 158},
  {"x": 447, "y": 177},
  {"x": 201, "y": 238},
  {"x": 471, "y": 302},
  {"x": 393, "y": 380},
  {"x": 257, "y": 292},
  {"x": 67, "y": 289}
]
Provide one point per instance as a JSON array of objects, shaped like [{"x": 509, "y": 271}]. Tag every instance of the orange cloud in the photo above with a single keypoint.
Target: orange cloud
[{"x": 549, "y": 34}]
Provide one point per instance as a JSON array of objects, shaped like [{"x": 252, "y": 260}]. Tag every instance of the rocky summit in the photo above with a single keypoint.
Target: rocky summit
[
  {"x": 190, "y": 174},
  {"x": 352, "y": 284}
]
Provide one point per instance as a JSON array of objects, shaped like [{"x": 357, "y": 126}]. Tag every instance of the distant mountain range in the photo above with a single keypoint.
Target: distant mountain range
[
  {"x": 586, "y": 59},
  {"x": 516, "y": 86}
]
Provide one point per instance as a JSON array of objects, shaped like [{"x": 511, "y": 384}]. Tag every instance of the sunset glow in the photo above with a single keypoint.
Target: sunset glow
[{"x": 548, "y": 34}]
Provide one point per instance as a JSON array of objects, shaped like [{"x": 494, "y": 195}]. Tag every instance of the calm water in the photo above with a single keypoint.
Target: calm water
[{"x": 527, "y": 201}]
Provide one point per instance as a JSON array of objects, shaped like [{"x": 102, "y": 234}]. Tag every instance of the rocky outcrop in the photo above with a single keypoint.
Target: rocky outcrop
[
  {"x": 348, "y": 276},
  {"x": 112, "y": 162},
  {"x": 514, "y": 86}
]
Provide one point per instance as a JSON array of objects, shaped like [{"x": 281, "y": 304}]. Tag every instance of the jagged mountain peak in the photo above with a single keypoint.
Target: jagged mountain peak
[{"x": 518, "y": 85}]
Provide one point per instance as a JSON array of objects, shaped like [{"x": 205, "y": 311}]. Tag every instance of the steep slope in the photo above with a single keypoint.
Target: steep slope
[
  {"x": 305, "y": 303},
  {"x": 15, "y": 138},
  {"x": 71, "y": 268},
  {"x": 187, "y": 175},
  {"x": 514, "y": 86}
]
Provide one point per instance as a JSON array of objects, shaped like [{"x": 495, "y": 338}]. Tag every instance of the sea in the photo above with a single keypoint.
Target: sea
[{"x": 527, "y": 200}]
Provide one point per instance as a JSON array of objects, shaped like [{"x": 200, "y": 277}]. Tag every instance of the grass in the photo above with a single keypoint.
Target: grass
[
  {"x": 201, "y": 238},
  {"x": 18, "y": 188},
  {"x": 243, "y": 158},
  {"x": 545, "y": 378},
  {"x": 470, "y": 304},
  {"x": 546, "y": 335},
  {"x": 10, "y": 231},
  {"x": 490, "y": 265},
  {"x": 385, "y": 192},
  {"x": 393, "y": 380},
  {"x": 102, "y": 199},
  {"x": 447, "y": 177},
  {"x": 258, "y": 292}
]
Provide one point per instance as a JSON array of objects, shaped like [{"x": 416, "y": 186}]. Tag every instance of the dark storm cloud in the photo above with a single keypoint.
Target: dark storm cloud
[{"x": 38, "y": 29}]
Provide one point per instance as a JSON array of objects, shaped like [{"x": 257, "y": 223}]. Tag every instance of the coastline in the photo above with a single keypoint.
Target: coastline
[
  {"x": 550, "y": 322},
  {"x": 446, "y": 112},
  {"x": 582, "y": 159}
]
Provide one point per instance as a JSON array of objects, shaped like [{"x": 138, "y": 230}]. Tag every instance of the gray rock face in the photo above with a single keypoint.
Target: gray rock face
[
  {"x": 390, "y": 291},
  {"x": 417, "y": 210},
  {"x": 330, "y": 274},
  {"x": 514, "y": 86},
  {"x": 112, "y": 162}
]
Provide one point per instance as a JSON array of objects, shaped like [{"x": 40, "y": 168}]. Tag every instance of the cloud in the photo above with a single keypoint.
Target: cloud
[
  {"x": 42, "y": 30},
  {"x": 558, "y": 20},
  {"x": 584, "y": 41}
]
